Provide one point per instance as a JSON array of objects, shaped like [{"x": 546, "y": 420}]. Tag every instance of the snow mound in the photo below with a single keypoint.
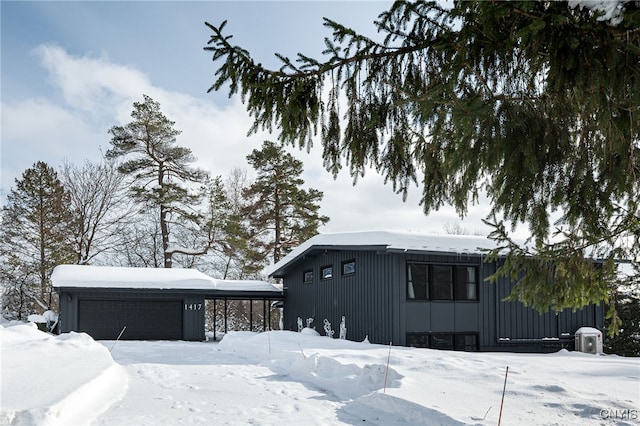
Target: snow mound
[
  {"x": 48, "y": 380},
  {"x": 346, "y": 381},
  {"x": 296, "y": 357}
]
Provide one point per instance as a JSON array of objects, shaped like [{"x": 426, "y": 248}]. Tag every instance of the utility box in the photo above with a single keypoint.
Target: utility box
[{"x": 589, "y": 340}]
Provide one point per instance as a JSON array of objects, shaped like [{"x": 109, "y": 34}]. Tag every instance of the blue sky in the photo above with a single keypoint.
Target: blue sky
[{"x": 71, "y": 70}]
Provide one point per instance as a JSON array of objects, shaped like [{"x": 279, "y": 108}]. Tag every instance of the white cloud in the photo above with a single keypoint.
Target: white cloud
[
  {"x": 98, "y": 94},
  {"x": 92, "y": 85},
  {"x": 39, "y": 130}
]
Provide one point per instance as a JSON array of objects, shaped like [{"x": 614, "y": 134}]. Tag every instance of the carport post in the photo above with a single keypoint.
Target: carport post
[
  {"x": 250, "y": 314},
  {"x": 214, "y": 319},
  {"x": 264, "y": 314},
  {"x": 225, "y": 315}
]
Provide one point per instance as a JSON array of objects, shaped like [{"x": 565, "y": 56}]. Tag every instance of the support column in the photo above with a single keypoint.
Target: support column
[
  {"x": 225, "y": 316},
  {"x": 215, "y": 302}
]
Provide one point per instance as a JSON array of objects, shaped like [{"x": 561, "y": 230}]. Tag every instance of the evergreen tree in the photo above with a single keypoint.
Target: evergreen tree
[
  {"x": 162, "y": 174},
  {"x": 281, "y": 214},
  {"x": 35, "y": 237},
  {"x": 627, "y": 304},
  {"x": 534, "y": 103},
  {"x": 240, "y": 261}
]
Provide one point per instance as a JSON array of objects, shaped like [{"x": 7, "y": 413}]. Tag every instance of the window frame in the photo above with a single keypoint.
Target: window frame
[
  {"x": 457, "y": 284},
  {"x": 304, "y": 276},
  {"x": 434, "y": 290},
  {"x": 347, "y": 262},
  {"x": 456, "y": 287},
  {"x": 475, "y": 345},
  {"x": 322, "y": 271},
  {"x": 435, "y": 336},
  {"x": 410, "y": 281},
  {"x": 423, "y": 337}
]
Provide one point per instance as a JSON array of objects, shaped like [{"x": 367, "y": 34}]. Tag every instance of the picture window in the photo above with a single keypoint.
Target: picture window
[{"x": 441, "y": 282}]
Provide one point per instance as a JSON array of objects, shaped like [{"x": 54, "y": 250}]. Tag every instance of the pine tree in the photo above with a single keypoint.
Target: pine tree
[
  {"x": 535, "y": 104},
  {"x": 161, "y": 172},
  {"x": 240, "y": 260},
  {"x": 627, "y": 309},
  {"x": 35, "y": 237},
  {"x": 281, "y": 214}
]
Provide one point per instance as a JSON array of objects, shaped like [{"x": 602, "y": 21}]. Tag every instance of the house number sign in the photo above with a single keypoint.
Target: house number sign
[{"x": 192, "y": 306}]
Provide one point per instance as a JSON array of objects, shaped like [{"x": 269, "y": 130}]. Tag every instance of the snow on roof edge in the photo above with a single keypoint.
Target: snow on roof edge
[
  {"x": 89, "y": 276},
  {"x": 390, "y": 240}
]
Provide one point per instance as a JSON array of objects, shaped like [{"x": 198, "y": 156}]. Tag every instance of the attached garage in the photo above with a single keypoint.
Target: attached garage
[
  {"x": 144, "y": 319},
  {"x": 144, "y": 303}
]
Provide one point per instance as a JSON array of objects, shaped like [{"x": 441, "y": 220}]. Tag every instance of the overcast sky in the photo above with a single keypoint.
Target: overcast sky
[{"x": 71, "y": 70}]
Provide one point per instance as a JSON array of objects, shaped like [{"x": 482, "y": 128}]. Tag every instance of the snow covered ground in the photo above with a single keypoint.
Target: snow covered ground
[{"x": 289, "y": 378}]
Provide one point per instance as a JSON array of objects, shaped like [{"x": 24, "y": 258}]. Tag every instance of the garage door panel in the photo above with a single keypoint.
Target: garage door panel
[{"x": 144, "y": 319}]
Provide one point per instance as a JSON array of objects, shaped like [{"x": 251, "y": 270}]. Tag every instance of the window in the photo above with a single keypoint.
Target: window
[
  {"x": 307, "y": 277},
  {"x": 466, "y": 342},
  {"x": 466, "y": 283},
  {"x": 442, "y": 341},
  {"x": 326, "y": 272},
  {"x": 441, "y": 282},
  {"x": 447, "y": 341},
  {"x": 442, "y": 286},
  {"x": 349, "y": 267},
  {"x": 418, "y": 340},
  {"x": 417, "y": 281}
]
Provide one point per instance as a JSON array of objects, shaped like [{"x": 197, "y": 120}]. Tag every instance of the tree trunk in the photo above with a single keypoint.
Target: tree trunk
[{"x": 276, "y": 219}]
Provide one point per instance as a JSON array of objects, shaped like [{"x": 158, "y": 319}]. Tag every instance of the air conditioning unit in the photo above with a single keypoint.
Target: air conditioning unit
[{"x": 589, "y": 340}]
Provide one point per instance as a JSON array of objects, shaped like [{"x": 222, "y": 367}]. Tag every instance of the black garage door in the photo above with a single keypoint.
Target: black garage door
[{"x": 145, "y": 319}]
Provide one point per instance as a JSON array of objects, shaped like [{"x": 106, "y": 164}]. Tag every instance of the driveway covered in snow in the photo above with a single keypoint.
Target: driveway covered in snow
[{"x": 292, "y": 378}]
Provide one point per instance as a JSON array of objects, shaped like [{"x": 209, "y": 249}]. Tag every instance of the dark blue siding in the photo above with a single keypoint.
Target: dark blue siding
[{"x": 374, "y": 303}]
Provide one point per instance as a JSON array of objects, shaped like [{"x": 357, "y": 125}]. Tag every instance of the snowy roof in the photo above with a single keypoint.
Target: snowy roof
[
  {"x": 388, "y": 241},
  {"x": 85, "y": 276}
]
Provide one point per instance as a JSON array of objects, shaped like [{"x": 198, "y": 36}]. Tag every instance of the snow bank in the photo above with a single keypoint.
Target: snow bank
[
  {"x": 49, "y": 380},
  {"x": 283, "y": 377},
  {"x": 296, "y": 357}
]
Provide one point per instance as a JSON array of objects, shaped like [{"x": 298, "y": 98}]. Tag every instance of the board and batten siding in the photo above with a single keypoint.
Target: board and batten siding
[
  {"x": 366, "y": 298},
  {"x": 442, "y": 316},
  {"x": 374, "y": 303}
]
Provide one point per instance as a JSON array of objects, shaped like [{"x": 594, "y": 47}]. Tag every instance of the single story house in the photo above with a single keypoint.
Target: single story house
[
  {"x": 152, "y": 303},
  {"x": 417, "y": 290}
]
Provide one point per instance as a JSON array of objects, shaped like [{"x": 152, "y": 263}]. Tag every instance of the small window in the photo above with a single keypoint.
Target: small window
[
  {"x": 442, "y": 341},
  {"x": 466, "y": 342},
  {"x": 349, "y": 267},
  {"x": 418, "y": 340},
  {"x": 417, "y": 281},
  {"x": 307, "y": 277},
  {"x": 327, "y": 272}
]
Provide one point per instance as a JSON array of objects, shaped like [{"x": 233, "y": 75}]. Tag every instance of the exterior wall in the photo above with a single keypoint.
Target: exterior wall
[
  {"x": 193, "y": 307},
  {"x": 374, "y": 303},
  {"x": 438, "y": 316},
  {"x": 367, "y": 299}
]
